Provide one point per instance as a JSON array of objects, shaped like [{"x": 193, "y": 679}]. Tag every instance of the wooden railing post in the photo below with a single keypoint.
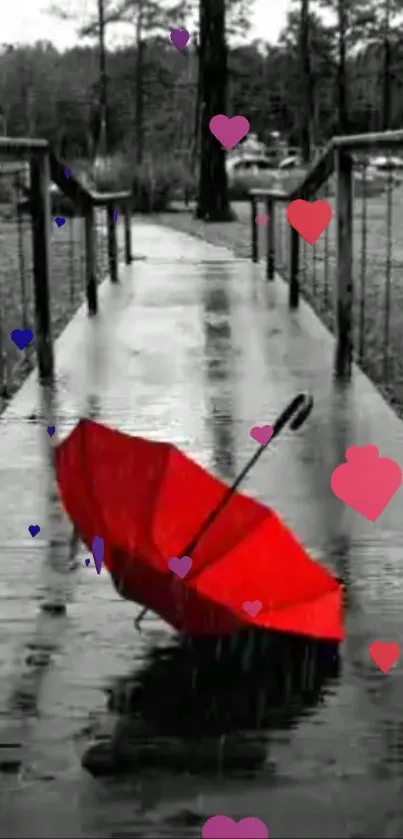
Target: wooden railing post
[
  {"x": 112, "y": 244},
  {"x": 344, "y": 278},
  {"x": 254, "y": 240},
  {"x": 90, "y": 261},
  {"x": 128, "y": 232},
  {"x": 270, "y": 241},
  {"x": 293, "y": 293},
  {"x": 40, "y": 217}
]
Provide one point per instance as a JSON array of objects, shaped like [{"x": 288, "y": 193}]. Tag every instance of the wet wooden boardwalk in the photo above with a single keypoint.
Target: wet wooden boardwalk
[{"x": 193, "y": 346}]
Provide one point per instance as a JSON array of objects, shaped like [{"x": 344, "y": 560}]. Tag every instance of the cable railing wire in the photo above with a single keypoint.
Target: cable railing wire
[{"x": 53, "y": 252}]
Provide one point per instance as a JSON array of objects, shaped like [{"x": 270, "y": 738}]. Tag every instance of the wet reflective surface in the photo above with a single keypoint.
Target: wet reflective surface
[{"x": 193, "y": 347}]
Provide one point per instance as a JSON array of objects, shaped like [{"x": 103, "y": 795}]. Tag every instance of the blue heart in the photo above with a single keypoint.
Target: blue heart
[
  {"x": 34, "y": 529},
  {"x": 22, "y": 337},
  {"x": 51, "y": 430},
  {"x": 60, "y": 221}
]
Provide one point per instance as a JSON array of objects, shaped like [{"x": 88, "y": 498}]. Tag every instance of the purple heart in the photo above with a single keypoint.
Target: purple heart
[
  {"x": 252, "y": 607},
  {"x": 179, "y": 38},
  {"x": 51, "y": 430},
  {"x": 222, "y": 827},
  {"x": 34, "y": 529},
  {"x": 98, "y": 552},
  {"x": 22, "y": 337},
  {"x": 180, "y": 565}
]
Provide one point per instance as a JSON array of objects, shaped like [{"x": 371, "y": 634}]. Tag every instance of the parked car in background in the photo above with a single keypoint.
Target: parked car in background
[
  {"x": 386, "y": 162},
  {"x": 250, "y": 171},
  {"x": 292, "y": 161},
  {"x": 372, "y": 179}
]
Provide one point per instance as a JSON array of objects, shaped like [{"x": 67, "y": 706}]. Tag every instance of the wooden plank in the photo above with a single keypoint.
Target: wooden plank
[
  {"x": 383, "y": 139},
  {"x": 254, "y": 240},
  {"x": 91, "y": 262},
  {"x": 101, "y": 199},
  {"x": 10, "y": 145},
  {"x": 128, "y": 233},
  {"x": 275, "y": 194},
  {"x": 344, "y": 234},
  {"x": 112, "y": 244},
  {"x": 293, "y": 296},
  {"x": 71, "y": 187},
  {"x": 40, "y": 219},
  {"x": 270, "y": 241},
  {"x": 318, "y": 174}
]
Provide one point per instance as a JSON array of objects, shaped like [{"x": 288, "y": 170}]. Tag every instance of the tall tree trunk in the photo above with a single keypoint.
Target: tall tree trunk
[
  {"x": 341, "y": 70},
  {"x": 103, "y": 85},
  {"x": 139, "y": 92},
  {"x": 386, "y": 69},
  {"x": 196, "y": 123},
  {"x": 307, "y": 103},
  {"x": 213, "y": 203}
]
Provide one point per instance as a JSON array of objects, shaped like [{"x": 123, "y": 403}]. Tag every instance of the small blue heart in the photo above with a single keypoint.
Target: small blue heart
[
  {"x": 22, "y": 337},
  {"x": 87, "y": 562},
  {"x": 60, "y": 221},
  {"x": 51, "y": 430},
  {"x": 67, "y": 172},
  {"x": 34, "y": 529}
]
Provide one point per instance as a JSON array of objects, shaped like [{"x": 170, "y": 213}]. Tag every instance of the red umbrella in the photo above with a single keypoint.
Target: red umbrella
[{"x": 150, "y": 503}]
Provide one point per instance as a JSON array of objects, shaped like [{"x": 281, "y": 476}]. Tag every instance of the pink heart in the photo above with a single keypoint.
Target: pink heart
[
  {"x": 222, "y": 827},
  {"x": 366, "y": 482},
  {"x": 262, "y": 433},
  {"x": 252, "y": 607},
  {"x": 180, "y": 565},
  {"x": 229, "y": 130},
  {"x": 263, "y": 219}
]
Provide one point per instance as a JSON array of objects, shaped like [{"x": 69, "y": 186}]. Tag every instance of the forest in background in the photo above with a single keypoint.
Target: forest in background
[{"x": 354, "y": 69}]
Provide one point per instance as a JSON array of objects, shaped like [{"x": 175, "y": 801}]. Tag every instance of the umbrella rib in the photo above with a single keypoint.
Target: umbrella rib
[
  {"x": 295, "y": 413},
  {"x": 297, "y": 405}
]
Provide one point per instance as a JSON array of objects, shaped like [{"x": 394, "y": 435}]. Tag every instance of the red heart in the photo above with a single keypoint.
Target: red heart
[
  {"x": 384, "y": 655},
  {"x": 309, "y": 220}
]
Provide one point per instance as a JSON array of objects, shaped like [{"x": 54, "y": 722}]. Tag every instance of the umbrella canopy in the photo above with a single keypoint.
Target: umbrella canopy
[{"x": 147, "y": 500}]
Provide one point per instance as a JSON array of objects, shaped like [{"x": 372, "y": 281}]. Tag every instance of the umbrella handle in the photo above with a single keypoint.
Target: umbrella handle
[
  {"x": 302, "y": 412},
  {"x": 295, "y": 415}
]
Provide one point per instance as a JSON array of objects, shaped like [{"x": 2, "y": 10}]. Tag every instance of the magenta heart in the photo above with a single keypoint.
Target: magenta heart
[
  {"x": 229, "y": 130},
  {"x": 180, "y": 565},
  {"x": 262, "y": 433},
  {"x": 252, "y": 607},
  {"x": 222, "y": 827},
  {"x": 179, "y": 38}
]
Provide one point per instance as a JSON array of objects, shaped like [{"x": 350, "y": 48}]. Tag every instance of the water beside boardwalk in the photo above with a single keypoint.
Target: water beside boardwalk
[{"x": 192, "y": 346}]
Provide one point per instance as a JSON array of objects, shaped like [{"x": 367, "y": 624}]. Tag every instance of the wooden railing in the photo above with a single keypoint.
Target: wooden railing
[
  {"x": 339, "y": 158},
  {"x": 46, "y": 168}
]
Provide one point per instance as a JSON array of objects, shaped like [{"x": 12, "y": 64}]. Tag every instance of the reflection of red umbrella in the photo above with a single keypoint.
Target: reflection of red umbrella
[{"x": 147, "y": 500}]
